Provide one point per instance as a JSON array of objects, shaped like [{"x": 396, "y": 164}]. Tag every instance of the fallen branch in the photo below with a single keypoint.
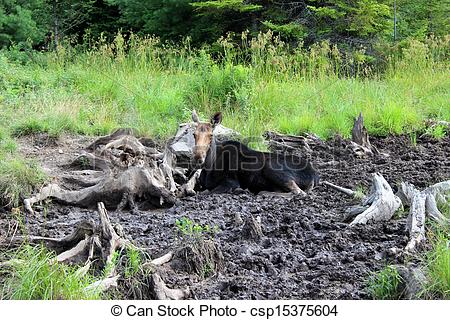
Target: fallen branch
[{"x": 346, "y": 191}]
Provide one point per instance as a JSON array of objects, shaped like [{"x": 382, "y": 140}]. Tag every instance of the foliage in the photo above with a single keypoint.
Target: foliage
[
  {"x": 21, "y": 22},
  {"x": 384, "y": 284},
  {"x": 420, "y": 18},
  {"x": 133, "y": 262},
  {"x": 189, "y": 230},
  {"x": 438, "y": 265},
  {"x": 35, "y": 275},
  {"x": 344, "y": 22},
  {"x": 437, "y": 259}
]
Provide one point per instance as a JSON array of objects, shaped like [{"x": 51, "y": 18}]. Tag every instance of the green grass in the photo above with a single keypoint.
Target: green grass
[
  {"x": 261, "y": 86},
  {"x": 18, "y": 177},
  {"x": 437, "y": 260},
  {"x": 384, "y": 284},
  {"x": 438, "y": 266},
  {"x": 34, "y": 276}
]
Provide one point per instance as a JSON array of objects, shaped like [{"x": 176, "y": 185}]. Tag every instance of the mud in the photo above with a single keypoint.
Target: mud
[{"x": 306, "y": 252}]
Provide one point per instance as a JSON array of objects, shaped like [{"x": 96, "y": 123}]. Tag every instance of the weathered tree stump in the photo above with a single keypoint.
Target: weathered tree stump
[
  {"x": 360, "y": 139},
  {"x": 422, "y": 203},
  {"x": 118, "y": 170},
  {"x": 91, "y": 244}
]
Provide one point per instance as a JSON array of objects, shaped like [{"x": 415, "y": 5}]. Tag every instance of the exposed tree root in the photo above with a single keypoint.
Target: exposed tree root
[
  {"x": 99, "y": 246},
  {"x": 162, "y": 292},
  {"x": 422, "y": 203},
  {"x": 381, "y": 204},
  {"x": 129, "y": 170}
]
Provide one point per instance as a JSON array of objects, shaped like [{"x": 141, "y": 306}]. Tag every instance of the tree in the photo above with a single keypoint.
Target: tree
[
  {"x": 420, "y": 18},
  {"x": 22, "y": 22},
  {"x": 67, "y": 16}
]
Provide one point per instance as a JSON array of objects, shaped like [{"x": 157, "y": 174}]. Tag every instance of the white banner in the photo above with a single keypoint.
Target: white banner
[{"x": 237, "y": 309}]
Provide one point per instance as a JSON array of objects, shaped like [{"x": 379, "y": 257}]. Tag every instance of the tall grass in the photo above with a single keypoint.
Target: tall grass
[
  {"x": 33, "y": 276},
  {"x": 262, "y": 84},
  {"x": 384, "y": 284},
  {"x": 437, "y": 260}
]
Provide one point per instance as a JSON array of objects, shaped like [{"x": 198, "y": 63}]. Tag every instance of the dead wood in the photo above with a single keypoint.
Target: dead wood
[
  {"x": 162, "y": 292},
  {"x": 107, "y": 139},
  {"x": 252, "y": 228},
  {"x": 104, "y": 284},
  {"x": 189, "y": 186},
  {"x": 360, "y": 139},
  {"x": 118, "y": 171},
  {"x": 83, "y": 230},
  {"x": 422, "y": 204},
  {"x": 381, "y": 202},
  {"x": 348, "y": 192},
  {"x": 89, "y": 161},
  {"x": 290, "y": 143},
  {"x": 163, "y": 259}
]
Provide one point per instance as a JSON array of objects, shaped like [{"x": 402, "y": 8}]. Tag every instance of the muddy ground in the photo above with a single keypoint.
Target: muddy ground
[{"x": 307, "y": 252}]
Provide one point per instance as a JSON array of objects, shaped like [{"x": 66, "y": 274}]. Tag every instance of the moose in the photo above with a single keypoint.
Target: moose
[{"x": 229, "y": 165}]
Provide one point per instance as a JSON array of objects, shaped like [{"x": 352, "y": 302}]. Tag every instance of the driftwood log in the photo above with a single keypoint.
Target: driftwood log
[
  {"x": 382, "y": 203},
  {"x": 289, "y": 143},
  {"x": 379, "y": 205}
]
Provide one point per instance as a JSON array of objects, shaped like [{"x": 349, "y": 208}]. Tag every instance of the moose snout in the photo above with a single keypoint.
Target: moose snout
[{"x": 199, "y": 156}]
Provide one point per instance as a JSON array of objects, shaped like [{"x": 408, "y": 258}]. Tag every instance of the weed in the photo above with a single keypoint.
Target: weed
[
  {"x": 18, "y": 177},
  {"x": 134, "y": 262},
  {"x": 35, "y": 275},
  {"x": 437, "y": 132},
  {"x": 413, "y": 138},
  {"x": 437, "y": 260},
  {"x": 189, "y": 230},
  {"x": 384, "y": 284},
  {"x": 360, "y": 192},
  {"x": 438, "y": 266}
]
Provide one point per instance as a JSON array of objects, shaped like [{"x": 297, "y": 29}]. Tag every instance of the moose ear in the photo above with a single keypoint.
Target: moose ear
[
  {"x": 195, "y": 116},
  {"x": 216, "y": 118}
]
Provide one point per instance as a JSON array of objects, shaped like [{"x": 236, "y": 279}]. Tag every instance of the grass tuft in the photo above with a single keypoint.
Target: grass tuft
[
  {"x": 34, "y": 276},
  {"x": 383, "y": 285},
  {"x": 18, "y": 178}
]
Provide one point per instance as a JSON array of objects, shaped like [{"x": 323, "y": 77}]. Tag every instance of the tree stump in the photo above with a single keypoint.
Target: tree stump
[{"x": 360, "y": 139}]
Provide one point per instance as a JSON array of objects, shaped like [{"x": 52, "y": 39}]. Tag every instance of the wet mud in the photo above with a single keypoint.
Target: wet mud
[{"x": 306, "y": 251}]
